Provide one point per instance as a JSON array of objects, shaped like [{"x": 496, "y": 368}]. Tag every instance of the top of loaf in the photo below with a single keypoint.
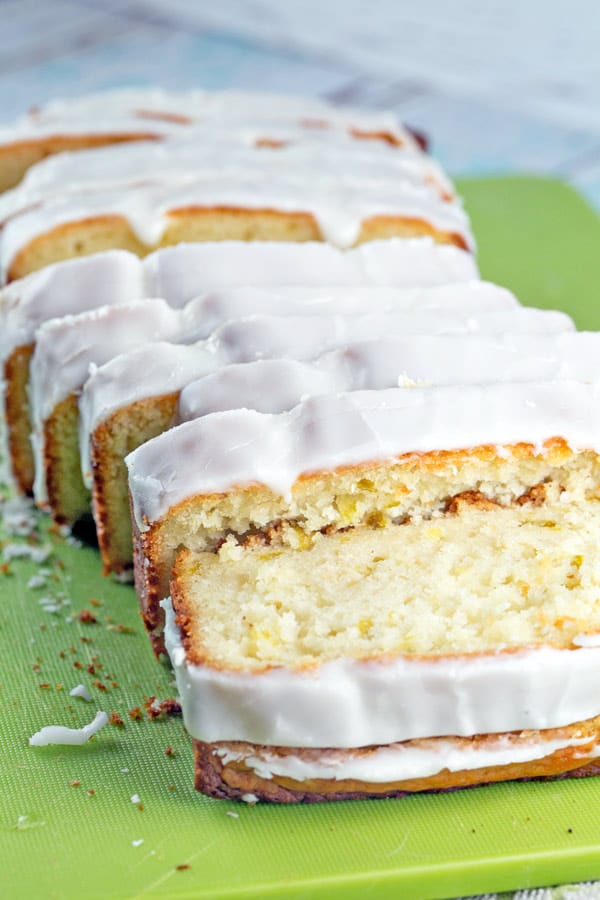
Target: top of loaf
[
  {"x": 160, "y": 113},
  {"x": 261, "y": 147},
  {"x": 178, "y": 274}
]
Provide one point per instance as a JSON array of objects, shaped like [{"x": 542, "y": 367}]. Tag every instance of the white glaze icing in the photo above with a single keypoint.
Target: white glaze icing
[
  {"x": 117, "y": 384},
  {"x": 304, "y": 337},
  {"x": 241, "y": 447},
  {"x": 339, "y": 208},
  {"x": 269, "y": 386},
  {"x": 212, "y": 152},
  {"x": 166, "y": 366},
  {"x": 268, "y": 337},
  {"x": 197, "y": 145},
  {"x": 218, "y": 306},
  {"x": 61, "y": 734},
  {"x": 65, "y": 347},
  {"x": 356, "y": 703},
  {"x": 72, "y": 286},
  {"x": 113, "y": 112},
  {"x": 403, "y": 762},
  {"x": 132, "y": 160},
  {"x": 276, "y": 385},
  {"x": 180, "y": 273},
  {"x": 587, "y": 640}
]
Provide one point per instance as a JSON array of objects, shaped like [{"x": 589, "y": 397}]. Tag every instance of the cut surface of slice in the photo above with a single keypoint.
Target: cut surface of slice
[
  {"x": 348, "y": 460},
  {"x": 449, "y": 645},
  {"x": 480, "y": 573}
]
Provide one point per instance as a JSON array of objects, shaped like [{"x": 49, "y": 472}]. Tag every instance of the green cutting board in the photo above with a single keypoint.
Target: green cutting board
[{"x": 58, "y": 840}]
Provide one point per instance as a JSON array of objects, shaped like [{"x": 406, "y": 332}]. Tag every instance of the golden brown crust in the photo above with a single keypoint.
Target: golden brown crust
[
  {"x": 68, "y": 498},
  {"x": 386, "y": 136},
  {"x": 186, "y": 617},
  {"x": 148, "y": 591},
  {"x": 18, "y": 156},
  {"x": 234, "y": 779},
  {"x": 197, "y": 224},
  {"x": 74, "y": 239},
  {"x": 18, "y": 417},
  {"x": 115, "y": 437},
  {"x": 380, "y": 227},
  {"x": 158, "y": 116}
]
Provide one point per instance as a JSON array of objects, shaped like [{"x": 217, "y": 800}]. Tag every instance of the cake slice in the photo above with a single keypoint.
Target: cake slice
[
  {"x": 72, "y": 286},
  {"x": 384, "y": 592},
  {"x": 119, "y": 411},
  {"x": 67, "y": 348},
  {"x": 151, "y": 114},
  {"x": 178, "y": 274},
  {"x": 282, "y": 207},
  {"x": 257, "y": 150},
  {"x": 160, "y": 530}
]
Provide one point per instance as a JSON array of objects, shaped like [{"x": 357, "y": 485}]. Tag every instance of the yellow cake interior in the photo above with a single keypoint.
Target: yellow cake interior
[{"x": 500, "y": 566}]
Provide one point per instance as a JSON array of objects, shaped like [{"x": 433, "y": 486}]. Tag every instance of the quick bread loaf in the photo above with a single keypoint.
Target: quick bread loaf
[{"x": 363, "y": 484}]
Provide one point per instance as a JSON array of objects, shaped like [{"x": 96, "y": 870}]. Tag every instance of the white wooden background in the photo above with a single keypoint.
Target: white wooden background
[{"x": 502, "y": 85}]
